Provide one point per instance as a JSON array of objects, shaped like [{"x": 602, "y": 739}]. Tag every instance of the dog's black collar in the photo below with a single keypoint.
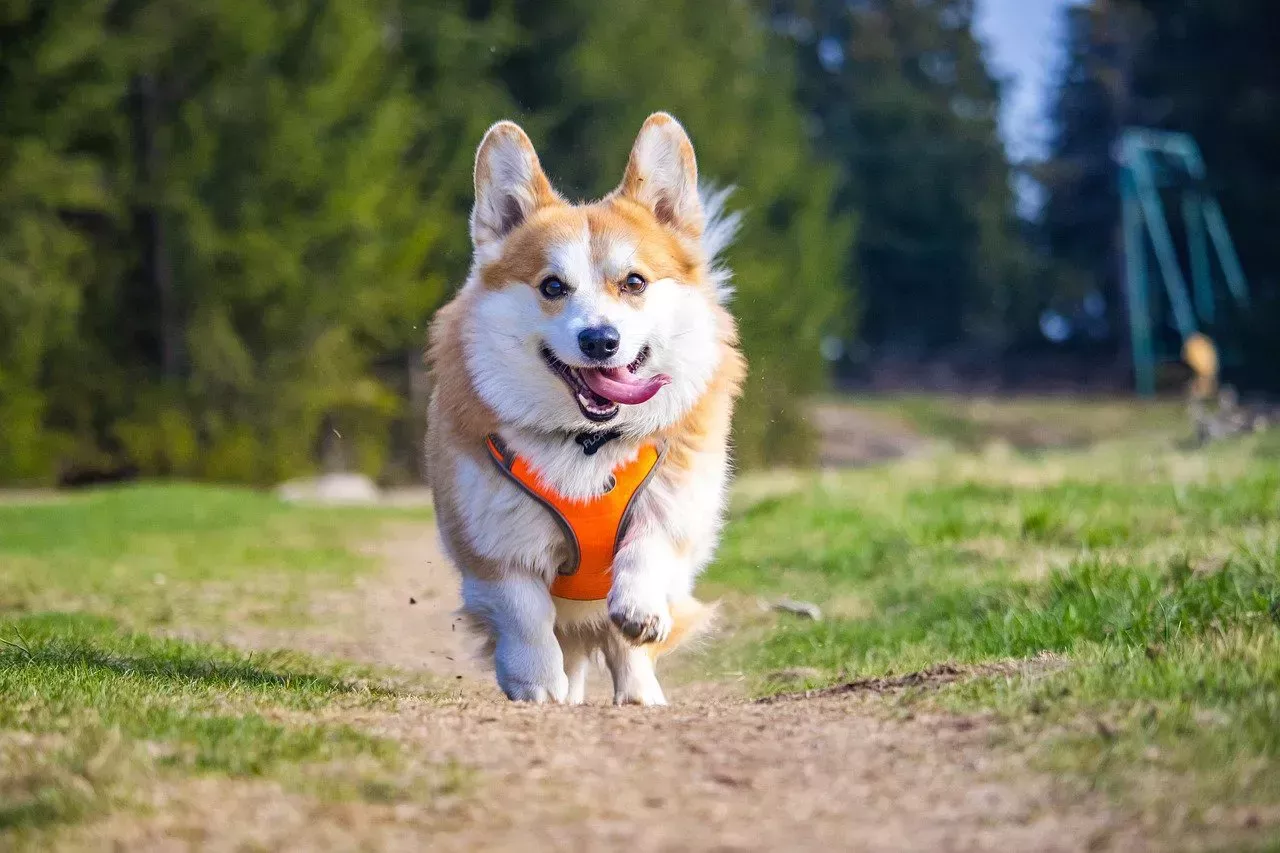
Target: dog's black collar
[{"x": 592, "y": 441}]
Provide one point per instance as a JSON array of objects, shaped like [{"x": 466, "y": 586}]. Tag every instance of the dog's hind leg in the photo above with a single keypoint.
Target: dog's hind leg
[{"x": 577, "y": 663}]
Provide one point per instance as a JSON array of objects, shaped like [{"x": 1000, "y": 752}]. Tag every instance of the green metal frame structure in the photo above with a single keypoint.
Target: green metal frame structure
[{"x": 1151, "y": 161}]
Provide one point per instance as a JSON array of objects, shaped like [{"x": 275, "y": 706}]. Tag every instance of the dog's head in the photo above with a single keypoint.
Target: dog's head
[{"x": 600, "y": 314}]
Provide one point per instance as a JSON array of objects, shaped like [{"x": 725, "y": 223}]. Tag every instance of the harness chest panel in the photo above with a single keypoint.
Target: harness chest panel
[{"x": 594, "y": 527}]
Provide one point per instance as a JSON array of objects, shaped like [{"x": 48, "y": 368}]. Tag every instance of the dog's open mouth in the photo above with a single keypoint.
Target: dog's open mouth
[{"x": 599, "y": 390}]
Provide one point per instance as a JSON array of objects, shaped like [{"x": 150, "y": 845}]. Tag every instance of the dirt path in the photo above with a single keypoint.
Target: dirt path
[
  {"x": 712, "y": 772},
  {"x": 402, "y": 617}
]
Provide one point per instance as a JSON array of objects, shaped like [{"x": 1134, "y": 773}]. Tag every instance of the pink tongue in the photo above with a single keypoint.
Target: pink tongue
[{"x": 622, "y": 386}]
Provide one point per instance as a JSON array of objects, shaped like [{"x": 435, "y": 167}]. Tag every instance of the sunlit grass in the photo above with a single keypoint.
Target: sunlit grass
[
  {"x": 178, "y": 555},
  {"x": 1149, "y": 574}
]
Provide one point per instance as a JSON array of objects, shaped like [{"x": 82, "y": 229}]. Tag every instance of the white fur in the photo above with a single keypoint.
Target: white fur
[
  {"x": 502, "y": 337},
  {"x": 524, "y": 540},
  {"x": 718, "y": 233},
  {"x": 577, "y": 662},
  {"x": 618, "y": 260},
  {"x": 645, "y": 570},
  {"x": 527, "y": 657},
  {"x": 634, "y": 680}
]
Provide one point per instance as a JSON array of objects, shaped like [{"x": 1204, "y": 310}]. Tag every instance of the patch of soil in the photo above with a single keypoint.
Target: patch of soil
[
  {"x": 935, "y": 676},
  {"x": 402, "y": 617},
  {"x": 853, "y": 437}
]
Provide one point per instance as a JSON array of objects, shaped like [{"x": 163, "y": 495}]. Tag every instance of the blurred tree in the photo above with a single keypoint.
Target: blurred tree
[
  {"x": 224, "y": 226},
  {"x": 264, "y": 164},
  {"x": 1081, "y": 213},
  {"x": 898, "y": 95},
  {"x": 586, "y": 74},
  {"x": 278, "y": 203},
  {"x": 59, "y": 83}
]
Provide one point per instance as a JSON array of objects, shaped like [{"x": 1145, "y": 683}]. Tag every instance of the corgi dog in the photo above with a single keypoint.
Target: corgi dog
[{"x": 583, "y": 380}]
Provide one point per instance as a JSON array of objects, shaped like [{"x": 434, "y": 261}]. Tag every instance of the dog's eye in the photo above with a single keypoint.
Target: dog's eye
[
  {"x": 552, "y": 287},
  {"x": 634, "y": 283}
]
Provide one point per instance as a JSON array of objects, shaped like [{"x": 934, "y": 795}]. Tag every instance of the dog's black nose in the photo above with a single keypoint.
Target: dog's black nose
[{"x": 599, "y": 342}]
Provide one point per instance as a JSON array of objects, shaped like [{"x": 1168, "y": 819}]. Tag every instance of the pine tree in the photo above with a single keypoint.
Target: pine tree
[
  {"x": 224, "y": 226},
  {"x": 239, "y": 217},
  {"x": 1207, "y": 69},
  {"x": 1080, "y": 216}
]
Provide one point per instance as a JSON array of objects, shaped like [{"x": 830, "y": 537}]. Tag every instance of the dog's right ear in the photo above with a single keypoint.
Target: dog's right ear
[{"x": 510, "y": 184}]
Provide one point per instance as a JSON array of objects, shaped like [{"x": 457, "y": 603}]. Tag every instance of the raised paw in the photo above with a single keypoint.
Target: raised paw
[{"x": 641, "y": 625}]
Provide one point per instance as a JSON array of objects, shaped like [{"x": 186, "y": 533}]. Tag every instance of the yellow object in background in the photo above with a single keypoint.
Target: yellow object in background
[{"x": 1202, "y": 357}]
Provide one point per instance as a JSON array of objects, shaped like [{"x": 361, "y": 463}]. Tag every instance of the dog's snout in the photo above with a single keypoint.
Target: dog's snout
[{"x": 599, "y": 342}]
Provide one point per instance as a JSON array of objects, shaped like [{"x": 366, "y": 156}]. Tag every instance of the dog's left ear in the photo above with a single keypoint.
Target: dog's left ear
[{"x": 662, "y": 174}]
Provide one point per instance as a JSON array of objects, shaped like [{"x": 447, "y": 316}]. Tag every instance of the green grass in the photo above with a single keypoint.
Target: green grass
[
  {"x": 1150, "y": 577},
  {"x": 96, "y": 707},
  {"x": 180, "y": 554}
]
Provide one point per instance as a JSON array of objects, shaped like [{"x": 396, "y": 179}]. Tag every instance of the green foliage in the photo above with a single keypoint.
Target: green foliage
[
  {"x": 1081, "y": 214},
  {"x": 227, "y": 226},
  {"x": 224, "y": 227},
  {"x": 1208, "y": 69},
  {"x": 57, "y": 80}
]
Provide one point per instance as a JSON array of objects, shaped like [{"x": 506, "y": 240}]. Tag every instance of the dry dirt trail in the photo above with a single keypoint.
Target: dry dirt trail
[{"x": 712, "y": 772}]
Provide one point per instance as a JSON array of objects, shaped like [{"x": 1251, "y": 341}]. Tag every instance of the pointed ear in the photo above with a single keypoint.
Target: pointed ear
[
  {"x": 662, "y": 174},
  {"x": 510, "y": 184}
]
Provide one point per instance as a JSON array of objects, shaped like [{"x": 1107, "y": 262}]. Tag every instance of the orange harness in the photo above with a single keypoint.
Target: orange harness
[{"x": 593, "y": 528}]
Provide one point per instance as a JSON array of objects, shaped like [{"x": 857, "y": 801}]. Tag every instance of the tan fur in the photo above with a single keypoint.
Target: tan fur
[
  {"x": 690, "y": 619},
  {"x": 707, "y": 425}
]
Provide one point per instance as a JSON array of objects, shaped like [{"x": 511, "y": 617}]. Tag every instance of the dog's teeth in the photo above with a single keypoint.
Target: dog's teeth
[{"x": 590, "y": 405}]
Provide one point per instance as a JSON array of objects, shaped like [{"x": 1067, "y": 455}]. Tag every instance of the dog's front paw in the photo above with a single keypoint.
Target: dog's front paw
[
  {"x": 639, "y": 621},
  {"x": 541, "y": 694},
  {"x": 531, "y": 673},
  {"x": 647, "y": 693}
]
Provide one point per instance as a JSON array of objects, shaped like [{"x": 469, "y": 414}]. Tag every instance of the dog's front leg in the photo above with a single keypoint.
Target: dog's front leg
[
  {"x": 643, "y": 571},
  {"x": 527, "y": 656},
  {"x": 643, "y": 575},
  {"x": 632, "y": 668}
]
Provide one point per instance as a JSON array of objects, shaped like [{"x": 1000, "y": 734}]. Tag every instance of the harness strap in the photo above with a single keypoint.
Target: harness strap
[{"x": 594, "y": 527}]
